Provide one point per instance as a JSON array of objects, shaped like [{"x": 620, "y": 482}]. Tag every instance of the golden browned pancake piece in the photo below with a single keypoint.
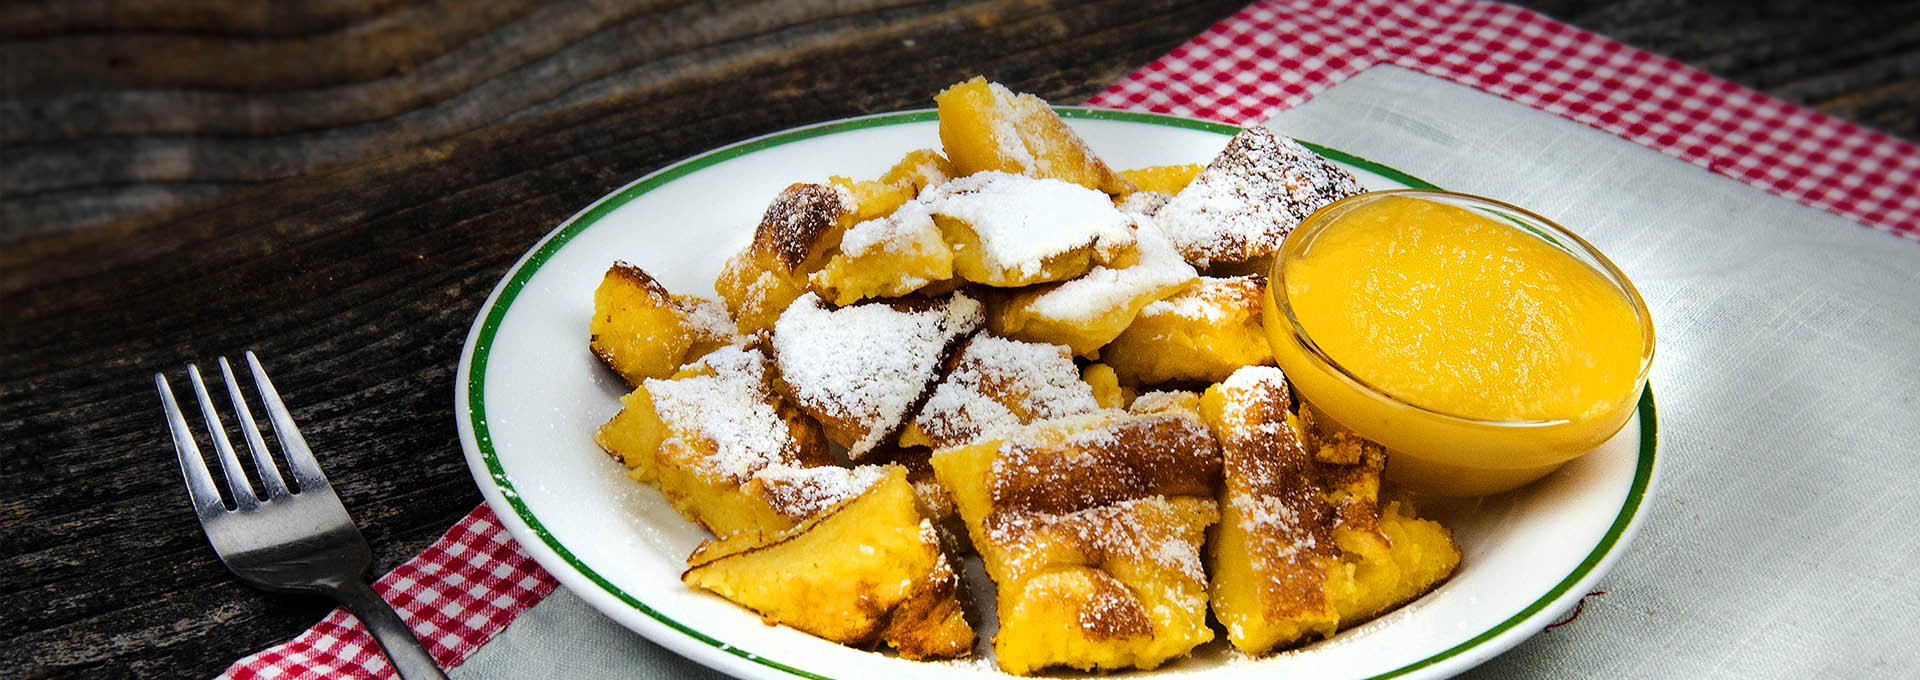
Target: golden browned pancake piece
[
  {"x": 1303, "y": 548},
  {"x": 1091, "y": 528}
]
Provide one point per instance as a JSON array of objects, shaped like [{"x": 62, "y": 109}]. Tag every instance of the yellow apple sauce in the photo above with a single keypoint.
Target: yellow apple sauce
[{"x": 1480, "y": 353}]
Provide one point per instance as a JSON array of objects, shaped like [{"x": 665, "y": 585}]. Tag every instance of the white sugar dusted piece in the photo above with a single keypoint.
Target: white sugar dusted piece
[
  {"x": 986, "y": 127},
  {"x": 726, "y": 415},
  {"x": 1250, "y": 197},
  {"x": 1143, "y": 202},
  {"x": 1102, "y": 516},
  {"x": 1013, "y": 230},
  {"x": 861, "y": 369},
  {"x": 1304, "y": 546},
  {"x": 1087, "y": 312},
  {"x": 901, "y": 232},
  {"x": 720, "y": 444},
  {"x": 1213, "y": 300},
  {"x": 996, "y": 385},
  {"x": 808, "y": 491},
  {"x": 708, "y": 322},
  {"x": 886, "y": 257}
]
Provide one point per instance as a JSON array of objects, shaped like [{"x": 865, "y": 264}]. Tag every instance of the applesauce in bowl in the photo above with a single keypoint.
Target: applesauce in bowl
[{"x": 1482, "y": 344}]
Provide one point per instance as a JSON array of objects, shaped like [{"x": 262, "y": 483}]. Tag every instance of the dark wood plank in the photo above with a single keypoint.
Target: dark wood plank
[
  {"x": 357, "y": 287},
  {"x": 114, "y": 110}
]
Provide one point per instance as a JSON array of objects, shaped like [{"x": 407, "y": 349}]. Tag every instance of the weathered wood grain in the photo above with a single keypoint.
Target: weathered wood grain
[
  {"x": 338, "y": 184},
  {"x": 111, "y": 110},
  {"x": 357, "y": 285}
]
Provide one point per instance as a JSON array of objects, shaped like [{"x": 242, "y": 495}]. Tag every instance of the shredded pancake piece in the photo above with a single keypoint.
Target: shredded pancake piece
[
  {"x": 1025, "y": 226},
  {"x": 1250, "y": 197},
  {"x": 1090, "y": 311},
  {"x": 995, "y": 385},
  {"x": 861, "y": 369},
  {"x": 1091, "y": 527}
]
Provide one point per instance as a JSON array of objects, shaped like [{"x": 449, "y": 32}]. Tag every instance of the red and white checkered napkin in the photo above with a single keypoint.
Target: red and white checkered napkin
[
  {"x": 1273, "y": 55},
  {"x": 455, "y": 596}
]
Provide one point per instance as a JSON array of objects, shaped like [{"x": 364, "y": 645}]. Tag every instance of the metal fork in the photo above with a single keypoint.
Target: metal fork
[{"x": 298, "y": 541}]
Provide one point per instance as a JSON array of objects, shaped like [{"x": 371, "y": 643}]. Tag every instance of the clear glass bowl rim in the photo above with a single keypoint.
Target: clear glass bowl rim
[{"x": 1554, "y": 234}]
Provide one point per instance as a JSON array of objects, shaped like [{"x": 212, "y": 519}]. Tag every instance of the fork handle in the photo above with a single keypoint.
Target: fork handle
[{"x": 410, "y": 659}]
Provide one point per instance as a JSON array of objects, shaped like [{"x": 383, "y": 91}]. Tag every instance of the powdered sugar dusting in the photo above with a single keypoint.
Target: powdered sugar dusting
[
  {"x": 798, "y": 219},
  {"x": 1259, "y": 380},
  {"x": 1167, "y": 402},
  {"x": 1130, "y": 529},
  {"x": 1213, "y": 300},
  {"x": 1250, "y": 197},
  {"x": 996, "y": 385},
  {"x": 1106, "y": 289},
  {"x": 1270, "y": 490},
  {"x": 732, "y": 408},
  {"x": 1006, "y": 131},
  {"x": 706, "y": 318},
  {"x": 861, "y": 367},
  {"x": 909, "y": 229},
  {"x": 1143, "y": 202},
  {"x": 805, "y": 491},
  {"x": 1023, "y": 221},
  {"x": 1272, "y": 521}
]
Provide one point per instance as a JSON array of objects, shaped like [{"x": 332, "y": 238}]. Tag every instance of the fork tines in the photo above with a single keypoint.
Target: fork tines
[{"x": 200, "y": 485}]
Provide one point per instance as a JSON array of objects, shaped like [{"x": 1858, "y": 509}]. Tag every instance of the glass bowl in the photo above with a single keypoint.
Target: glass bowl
[{"x": 1430, "y": 450}]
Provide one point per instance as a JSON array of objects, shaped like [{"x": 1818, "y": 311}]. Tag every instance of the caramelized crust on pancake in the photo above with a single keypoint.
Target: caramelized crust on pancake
[
  {"x": 1102, "y": 458},
  {"x": 1277, "y": 529},
  {"x": 1201, "y": 334},
  {"x": 931, "y": 623},
  {"x": 641, "y": 331},
  {"x": 803, "y": 224},
  {"x": 1250, "y": 197},
  {"x": 1168, "y": 402},
  {"x": 861, "y": 370},
  {"x": 799, "y": 231},
  {"x": 1091, "y": 527},
  {"x": 1301, "y": 550}
]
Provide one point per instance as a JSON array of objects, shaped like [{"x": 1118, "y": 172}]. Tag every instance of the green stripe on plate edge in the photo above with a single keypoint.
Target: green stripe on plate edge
[
  {"x": 496, "y": 313},
  {"x": 1636, "y": 495}
]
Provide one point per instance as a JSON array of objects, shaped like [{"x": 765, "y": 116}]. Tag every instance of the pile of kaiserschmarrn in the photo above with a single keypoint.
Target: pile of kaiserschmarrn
[{"x": 1022, "y": 354}]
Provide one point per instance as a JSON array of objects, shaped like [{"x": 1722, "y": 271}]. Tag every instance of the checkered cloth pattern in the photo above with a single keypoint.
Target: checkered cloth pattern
[
  {"x": 475, "y": 580},
  {"x": 455, "y": 596},
  {"x": 1274, "y": 55}
]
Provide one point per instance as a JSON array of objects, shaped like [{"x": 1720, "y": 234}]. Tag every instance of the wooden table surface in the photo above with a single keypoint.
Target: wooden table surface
[{"x": 337, "y": 185}]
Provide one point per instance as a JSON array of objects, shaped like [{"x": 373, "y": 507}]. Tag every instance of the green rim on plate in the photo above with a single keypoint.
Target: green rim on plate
[{"x": 497, "y": 311}]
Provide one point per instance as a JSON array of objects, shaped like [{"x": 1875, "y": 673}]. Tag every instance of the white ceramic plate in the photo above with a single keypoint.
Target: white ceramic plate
[{"x": 530, "y": 395}]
